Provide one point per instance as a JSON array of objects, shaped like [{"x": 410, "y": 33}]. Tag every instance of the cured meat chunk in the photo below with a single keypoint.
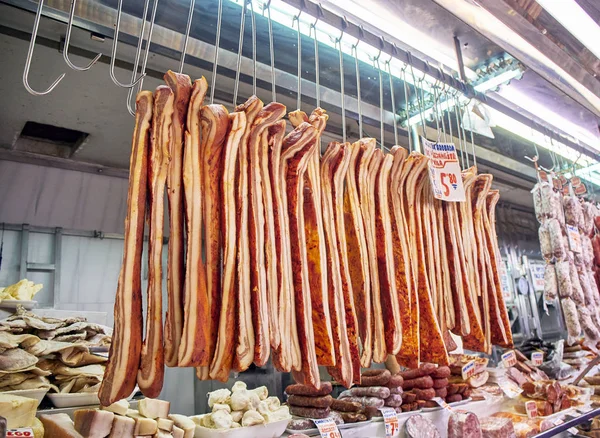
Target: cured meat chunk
[
  {"x": 563, "y": 276},
  {"x": 550, "y": 283},
  {"x": 571, "y": 319},
  {"x": 545, "y": 242},
  {"x": 343, "y": 319},
  {"x": 577, "y": 288},
  {"x": 492, "y": 427},
  {"x": 151, "y": 373},
  {"x": 385, "y": 258},
  {"x": 557, "y": 241},
  {"x": 124, "y": 357},
  {"x": 256, "y": 222},
  {"x": 358, "y": 257},
  {"x": 463, "y": 424},
  {"x": 196, "y": 344},
  {"x": 297, "y": 147},
  {"x": 573, "y": 211},
  {"x": 182, "y": 89},
  {"x": 245, "y": 332},
  {"x": 223, "y": 357}
]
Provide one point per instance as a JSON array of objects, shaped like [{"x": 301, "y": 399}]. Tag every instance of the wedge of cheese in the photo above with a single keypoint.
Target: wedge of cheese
[
  {"x": 18, "y": 411},
  {"x": 184, "y": 423},
  {"x": 121, "y": 407}
]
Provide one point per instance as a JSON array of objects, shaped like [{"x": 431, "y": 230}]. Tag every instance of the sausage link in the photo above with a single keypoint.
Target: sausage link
[
  {"x": 345, "y": 405},
  {"x": 300, "y": 411},
  {"x": 397, "y": 390},
  {"x": 409, "y": 397},
  {"x": 366, "y": 391},
  {"x": 425, "y": 394},
  {"x": 441, "y": 392},
  {"x": 378, "y": 380},
  {"x": 440, "y": 383},
  {"x": 310, "y": 402},
  {"x": 441, "y": 373},
  {"x": 372, "y": 373},
  {"x": 300, "y": 389},
  {"x": 453, "y": 398},
  {"x": 420, "y": 382},
  {"x": 393, "y": 401},
  {"x": 395, "y": 381},
  {"x": 353, "y": 417}
]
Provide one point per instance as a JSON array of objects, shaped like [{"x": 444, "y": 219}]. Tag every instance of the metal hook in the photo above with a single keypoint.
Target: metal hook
[
  {"x": 253, "y": 24},
  {"x": 471, "y": 132},
  {"x": 299, "y": 46},
  {"x": 236, "y": 86},
  {"x": 36, "y": 24},
  {"x": 354, "y": 49},
  {"x": 389, "y": 71},
  {"x": 341, "y": 53},
  {"x": 317, "y": 72},
  {"x": 113, "y": 56},
  {"x": 213, "y": 79},
  {"x": 406, "y": 106},
  {"x": 148, "y": 42},
  {"x": 419, "y": 96},
  {"x": 137, "y": 58},
  {"x": 381, "y": 110},
  {"x": 68, "y": 42},
  {"x": 187, "y": 35},
  {"x": 267, "y": 7}
]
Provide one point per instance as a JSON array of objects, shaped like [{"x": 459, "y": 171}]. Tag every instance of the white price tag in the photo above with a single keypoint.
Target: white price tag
[
  {"x": 468, "y": 370},
  {"x": 509, "y": 359},
  {"x": 537, "y": 275},
  {"x": 327, "y": 428},
  {"x": 574, "y": 238},
  {"x": 510, "y": 388},
  {"x": 444, "y": 171},
  {"x": 390, "y": 417},
  {"x": 573, "y": 431},
  {"x": 531, "y": 409},
  {"x": 21, "y": 432},
  {"x": 440, "y": 401},
  {"x": 537, "y": 358}
]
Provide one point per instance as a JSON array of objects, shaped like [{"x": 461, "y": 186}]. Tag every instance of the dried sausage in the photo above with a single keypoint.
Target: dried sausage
[
  {"x": 353, "y": 417},
  {"x": 441, "y": 373},
  {"x": 442, "y": 392},
  {"x": 378, "y": 380},
  {"x": 424, "y": 394},
  {"x": 395, "y": 381},
  {"x": 394, "y": 401},
  {"x": 310, "y": 402},
  {"x": 345, "y": 405},
  {"x": 300, "y": 411},
  {"x": 368, "y": 391},
  {"x": 440, "y": 383},
  {"x": 454, "y": 398},
  {"x": 397, "y": 390},
  {"x": 420, "y": 382},
  {"x": 300, "y": 389},
  {"x": 424, "y": 370},
  {"x": 409, "y": 397}
]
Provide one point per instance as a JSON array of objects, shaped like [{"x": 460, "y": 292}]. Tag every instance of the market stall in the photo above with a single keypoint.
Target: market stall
[{"x": 313, "y": 224}]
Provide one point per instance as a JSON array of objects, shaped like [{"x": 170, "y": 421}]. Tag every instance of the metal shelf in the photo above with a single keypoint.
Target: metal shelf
[{"x": 569, "y": 424}]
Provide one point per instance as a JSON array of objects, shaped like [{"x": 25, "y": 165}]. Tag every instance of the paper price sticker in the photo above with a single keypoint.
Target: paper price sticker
[
  {"x": 390, "y": 416},
  {"x": 531, "y": 409},
  {"x": 22, "y": 432},
  {"x": 440, "y": 401},
  {"x": 558, "y": 422},
  {"x": 327, "y": 428},
  {"x": 509, "y": 388},
  {"x": 468, "y": 370},
  {"x": 537, "y": 358},
  {"x": 444, "y": 171},
  {"x": 509, "y": 359},
  {"x": 574, "y": 238},
  {"x": 573, "y": 431}
]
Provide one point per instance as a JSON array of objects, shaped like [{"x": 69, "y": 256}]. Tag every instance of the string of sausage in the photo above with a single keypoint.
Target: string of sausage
[
  {"x": 152, "y": 366},
  {"x": 124, "y": 357},
  {"x": 182, "y": 87}
]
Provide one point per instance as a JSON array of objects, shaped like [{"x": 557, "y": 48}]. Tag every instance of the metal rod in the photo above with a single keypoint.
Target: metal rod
[
  {"x": 389, "y": 70},
  {"x": 313, "y": 26},
  {"x": 113, "y": 55},
  {"x": 148, "y": 43},
  {"x": 68, "y": 42},
  {"x": 381, "y": 111},
  {"x": 253, "y": 24},
  {"x": 138, "y": 53},
  {"x": 299, "y": 47},
  {"x": 456, "y": 113},
  {"x": 236, "y": 86},
  {"x": 354, "y": 50},
  {"x": 36, "y": 24},
  {"x": 272, "y": 53},
  {"x": 213, "y": 79},
  {"x": 342, "y": 92},
  {"x": 459, "y": 59},
  {"x": 406, "y": 105},
  {"x": 471, "y": 133},
  {"x": 187, "y": 35}
]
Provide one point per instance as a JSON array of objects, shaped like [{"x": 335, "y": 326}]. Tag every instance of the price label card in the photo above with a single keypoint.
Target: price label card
[
  {"x": 440, "y": 401},
  {"x": 468, "y": 370},
  {"x": 510, "y": 388},
  {"x": 390, "y": 416},
  {"x": 573, "y": 431},
  {"x": 574, "y": 238},
  {"x": 537, "y": 358},
  {"x": 22, "y": 432},
  {"x": 531, "y": 409},
  {"x": 444, "y": 171},
  {"x": 509, "y": 359},
  {"x": 327, "y": 428}
]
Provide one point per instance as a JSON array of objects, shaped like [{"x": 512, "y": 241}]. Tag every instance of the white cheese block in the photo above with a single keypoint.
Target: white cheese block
[
  {"x": 121, "y": 407},
  {"x": 18, "y": 411},
  {"x": 178, "y": 432},
  {"x": 92, "y": 423},
  {"x": 183, "y": 422},
  {"x": 165, "y": 424},
  {"x": 162, "y": 434},
  {"x": 122, "y": 427},
  {"x": 154, "y": 408},
  {"x": 145, "y": 426}
]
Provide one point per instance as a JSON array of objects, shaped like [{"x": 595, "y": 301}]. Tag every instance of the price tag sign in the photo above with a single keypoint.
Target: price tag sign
[
  {"x": 22, "y": 432},
  {"x": 510, "y": 388},
  {"x": 531, "y": 409},
  {"x": 390, "y": 416},
  {"x": 537, "y": 358},
  {"x": 444, "y": 171},
  {"x": 537, "y": 275},
  {"x": 468, "y": 370},
  {"x": 327, "y": 428},
  {"x": 573, "y": 431},
  {"x": 509, "y": 359},
  {"x": 574, "y": 238},
  {"x": 440, "y": 401}
]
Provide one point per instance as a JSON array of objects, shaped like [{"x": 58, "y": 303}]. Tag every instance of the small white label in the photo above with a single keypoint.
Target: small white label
[
  {"x": 21, "y": 432},
  {"x": 468, "y": 370},
  {"x": 509, "y": 359},
  {"x": 573, "y": 431},
  {"x": 510, "y": 388},
  {"x": 444, "y": 171},
  {"x": 327, "y": 428},
  {"x": 574, "y": 238},
  {"x": 531, "y": 409},
  {"x": 440, "y": 401},
  {"x": 537, "y": 358},
  {"x": 537, "y": 275},
  {"x": 390, "y": 416}
]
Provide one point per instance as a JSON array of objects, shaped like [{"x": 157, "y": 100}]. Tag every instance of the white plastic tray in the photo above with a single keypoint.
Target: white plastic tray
[
  {"x": 37, "y": 394},
  {"x": 77, "y": 399},
  {"x": 270, "y": 430},
  {"x": 12, "y": 304}
]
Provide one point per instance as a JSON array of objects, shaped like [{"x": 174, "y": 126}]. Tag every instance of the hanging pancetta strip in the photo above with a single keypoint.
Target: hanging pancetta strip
[
  {"x": 196, "y": 345},
  {"x": 224, "y": 351},
  {"x": 124, "y": 357},
  {"x": 297, "y": 149},
  {"x": 244, "y": 350},
  {"x": 446, "y": 290},
  {"x": 152, "y": 361},
  {"x": 385, "y": 257},
  {"x": 182, "y": 87},
  {"x": 212, "y": 167},
  {"x": 256, "y": 222}
]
